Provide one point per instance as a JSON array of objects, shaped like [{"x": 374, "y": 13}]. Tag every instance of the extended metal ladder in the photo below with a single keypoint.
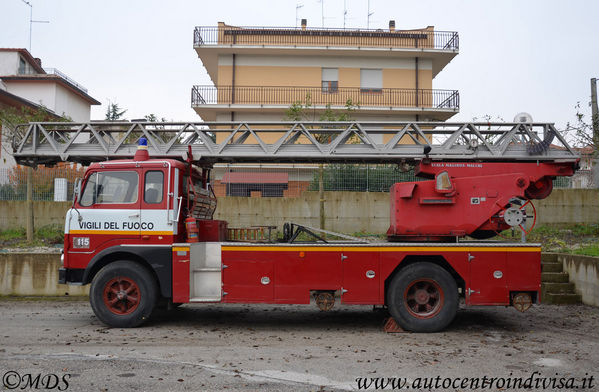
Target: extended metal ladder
[{"x": 326, "y": 142}]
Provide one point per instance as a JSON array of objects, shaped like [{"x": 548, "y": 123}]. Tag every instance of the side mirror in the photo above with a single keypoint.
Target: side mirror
[{"x": 77, "y": 190}]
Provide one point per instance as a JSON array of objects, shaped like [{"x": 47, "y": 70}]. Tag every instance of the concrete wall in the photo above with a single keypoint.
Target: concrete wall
[
  {"x": 12, "y": 213},
  {"x": 33, "y": 274},
  {"x": 348, "y": 212},
  {"x": 569, "y": 206},
  {"x": 584, "y": 273}
]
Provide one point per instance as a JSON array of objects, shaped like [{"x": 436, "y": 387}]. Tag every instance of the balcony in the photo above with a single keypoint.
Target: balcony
[
  {"x": 302, "y": 37},
  {"x": 205, "y": 99},
  {"x": 212, "y": 41}
]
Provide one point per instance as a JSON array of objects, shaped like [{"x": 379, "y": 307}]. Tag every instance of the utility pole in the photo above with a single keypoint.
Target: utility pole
[
  {"x": 594, "y": 112},
  {"x": 595, "y": 125}
]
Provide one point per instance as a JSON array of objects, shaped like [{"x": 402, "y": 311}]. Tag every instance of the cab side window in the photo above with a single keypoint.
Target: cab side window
[{"x": 153, "y": 190}]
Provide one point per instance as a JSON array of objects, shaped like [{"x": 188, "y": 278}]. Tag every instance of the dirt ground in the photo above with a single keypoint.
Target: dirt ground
[{"x": 297, "y": 348}]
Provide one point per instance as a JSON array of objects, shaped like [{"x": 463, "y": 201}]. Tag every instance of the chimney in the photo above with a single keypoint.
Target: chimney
[
  {"x": 304, "y": 24},
  {"x": 392, "y": 25}
]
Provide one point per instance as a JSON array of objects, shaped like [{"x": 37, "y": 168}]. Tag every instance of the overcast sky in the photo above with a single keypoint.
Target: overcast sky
[{"x": 533, "y": 56}]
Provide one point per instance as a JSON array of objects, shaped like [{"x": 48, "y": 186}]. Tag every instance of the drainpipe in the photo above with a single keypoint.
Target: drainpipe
[
  {"x": 416, "y": 78},
  {"x": 233, "y": 88}
]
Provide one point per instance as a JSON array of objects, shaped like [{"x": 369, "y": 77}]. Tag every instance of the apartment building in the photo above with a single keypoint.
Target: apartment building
[{"x": 386, "y": 75}]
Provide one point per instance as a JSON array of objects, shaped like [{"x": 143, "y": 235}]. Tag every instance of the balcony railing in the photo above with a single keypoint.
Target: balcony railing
[
  {"x": 318, "y": 96},
  {"x": 290, "y": 36},
  {"x": 54, "y": 71}
]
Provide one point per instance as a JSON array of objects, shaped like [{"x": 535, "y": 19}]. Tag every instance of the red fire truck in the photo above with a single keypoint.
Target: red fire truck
[{"x": 141, "y": 228}]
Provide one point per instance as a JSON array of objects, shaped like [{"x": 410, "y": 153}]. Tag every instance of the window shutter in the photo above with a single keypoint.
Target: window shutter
[
  {"x": 371, "y": 79},
  {"x": 330, "y": 74}
]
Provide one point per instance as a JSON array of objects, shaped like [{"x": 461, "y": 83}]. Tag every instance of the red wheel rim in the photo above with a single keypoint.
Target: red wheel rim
[
  {"x": 424, "y": 298},
  {"x": 121, "y": 295}
]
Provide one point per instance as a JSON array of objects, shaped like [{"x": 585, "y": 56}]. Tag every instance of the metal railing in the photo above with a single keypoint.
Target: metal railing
[
  {"x": 13, "y": 183},
  {"x": 328, "y": 37},
  {"x": 281, "y": 95},
  {"x": 54, "y": 71}
]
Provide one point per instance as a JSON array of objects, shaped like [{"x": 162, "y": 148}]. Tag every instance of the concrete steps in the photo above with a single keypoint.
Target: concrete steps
[
  {"x": 554, "y": 277},
  {"x": 562, "y": 299},
  {"x": 555, "y": 283},
  {"x": 552, "y": 267}
]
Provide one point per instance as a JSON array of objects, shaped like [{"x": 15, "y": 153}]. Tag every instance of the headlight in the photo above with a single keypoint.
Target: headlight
[{"x": 62, "y": 257}]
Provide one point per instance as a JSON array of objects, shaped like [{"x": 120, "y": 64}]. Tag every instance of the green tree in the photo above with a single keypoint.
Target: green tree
[
  {"x": 114, "y": 112},
  {"x": 154, "y": 118}
]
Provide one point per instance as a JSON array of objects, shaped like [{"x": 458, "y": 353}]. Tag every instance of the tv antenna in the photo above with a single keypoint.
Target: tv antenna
[
  {"x": 297, "y": 7},
  {"x": 322, "y": 11},
  {"x": 31, "y": 21},
  {"x": 368, "y": 16},
  {"x": 344, "y": 12}
]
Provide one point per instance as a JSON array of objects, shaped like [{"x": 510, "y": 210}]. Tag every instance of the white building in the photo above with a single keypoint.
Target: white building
[{"x": 24, "y": 83}]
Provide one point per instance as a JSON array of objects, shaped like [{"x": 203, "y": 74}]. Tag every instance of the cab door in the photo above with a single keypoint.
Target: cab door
[
  {"x": 108, "y": 211},
  {"x": 154, "y": 214}
]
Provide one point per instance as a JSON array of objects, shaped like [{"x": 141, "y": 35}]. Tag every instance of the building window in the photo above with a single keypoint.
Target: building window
[
  {"x": 371, "y": 80},
  {"x": 22, "y": 66},
  {"x": 330, "y": 80}
]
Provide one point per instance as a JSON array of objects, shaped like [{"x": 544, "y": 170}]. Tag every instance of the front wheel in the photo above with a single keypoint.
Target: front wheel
[
  {"x": 123, "y": 294},
  {"x": 423, "y": 297}
]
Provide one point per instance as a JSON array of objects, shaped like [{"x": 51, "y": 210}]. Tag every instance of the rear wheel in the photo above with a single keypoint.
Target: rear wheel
[
  {"x": 123, "y": 294},
  {"x": 423, "y": 297}
]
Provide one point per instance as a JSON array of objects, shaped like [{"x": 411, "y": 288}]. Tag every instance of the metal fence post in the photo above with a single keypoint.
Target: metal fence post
[
  {"x": 321, "y": 195},
  {"x": 29, "y": 223}
]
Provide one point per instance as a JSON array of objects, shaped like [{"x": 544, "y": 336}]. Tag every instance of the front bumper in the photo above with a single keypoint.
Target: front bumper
[{"x": 70, "y": 276}]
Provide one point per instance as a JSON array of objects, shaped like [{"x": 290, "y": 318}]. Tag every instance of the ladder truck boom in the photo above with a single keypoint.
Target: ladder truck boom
[
  {"x": 141, "y": 229},
  {"x": 299, "y": 142}
]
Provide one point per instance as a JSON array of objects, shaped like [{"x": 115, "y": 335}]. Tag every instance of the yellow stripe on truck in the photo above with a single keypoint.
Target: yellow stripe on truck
[
  {"x": 119, "y": 232},
  {"x": 380, "y": 249}
]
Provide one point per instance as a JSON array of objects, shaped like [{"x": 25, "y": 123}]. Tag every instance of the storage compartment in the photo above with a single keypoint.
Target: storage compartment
[{"x": 206, "y": 272}]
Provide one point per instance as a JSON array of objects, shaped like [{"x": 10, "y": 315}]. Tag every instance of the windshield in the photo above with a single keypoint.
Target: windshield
[{"x": 117, "y": 187}]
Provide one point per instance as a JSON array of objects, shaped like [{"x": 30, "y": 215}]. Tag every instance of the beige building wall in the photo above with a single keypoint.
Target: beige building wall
[{"x": 252, "y": 70}]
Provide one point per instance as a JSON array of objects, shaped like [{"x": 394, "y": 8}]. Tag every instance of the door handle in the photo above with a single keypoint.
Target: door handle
[{"x": 134, "y": 216}]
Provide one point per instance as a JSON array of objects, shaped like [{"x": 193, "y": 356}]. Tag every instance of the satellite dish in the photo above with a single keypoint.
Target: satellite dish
[{"x": 523, "y": 117}]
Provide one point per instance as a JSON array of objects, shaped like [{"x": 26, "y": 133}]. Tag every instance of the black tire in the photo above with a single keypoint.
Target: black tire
[
  {"x": 423, "y": 297},
  {"x": 123, "y": 294},
  {"x": 483, "y": 234}
]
